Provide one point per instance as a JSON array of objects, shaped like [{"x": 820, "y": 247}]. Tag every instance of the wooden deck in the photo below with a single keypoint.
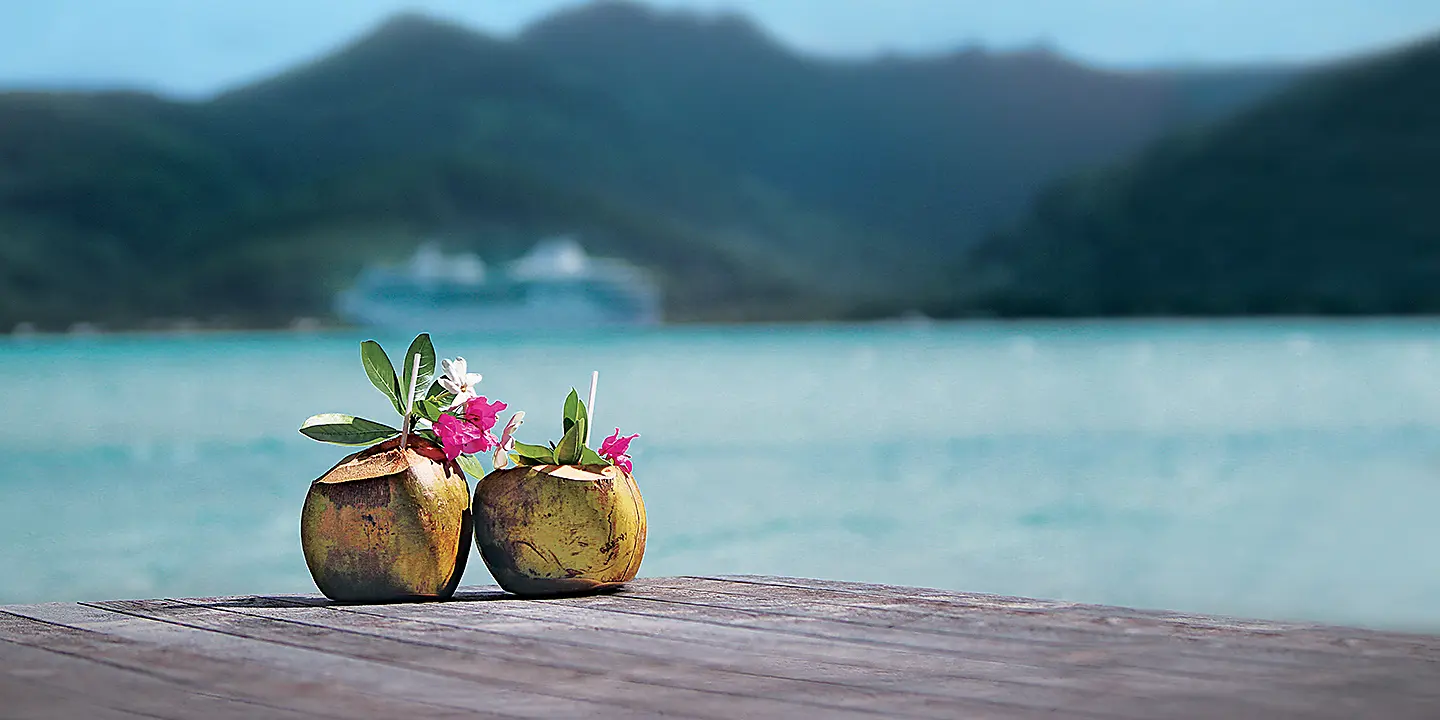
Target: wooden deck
[{"x": 695, "y": 647}]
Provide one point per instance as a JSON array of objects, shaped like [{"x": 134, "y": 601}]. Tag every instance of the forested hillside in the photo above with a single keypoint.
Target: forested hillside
[
  {"x": 757, "y": 183},
  {"x": 1325, "y": 199}
]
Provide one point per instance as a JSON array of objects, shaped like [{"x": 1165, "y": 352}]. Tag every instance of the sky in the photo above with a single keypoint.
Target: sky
[{"x": 198, "y": 47}]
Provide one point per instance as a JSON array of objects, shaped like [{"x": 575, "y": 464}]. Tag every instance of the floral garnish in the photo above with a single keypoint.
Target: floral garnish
[
  {"x": 470, "y": 433},
  {"x": 459, "y": 437},
  {"x": 458, "y": 381},
  {"x": 444, "y": 411},
  {"x": 484, "y": 413},
  {"x": 507, "y": 441},
  {"x": 615, "y": 449},
  {"x": 573, "y": 447}
]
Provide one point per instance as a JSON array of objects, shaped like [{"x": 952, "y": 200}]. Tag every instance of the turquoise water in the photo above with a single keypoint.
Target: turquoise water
[{"x": 1270, "y": 469}]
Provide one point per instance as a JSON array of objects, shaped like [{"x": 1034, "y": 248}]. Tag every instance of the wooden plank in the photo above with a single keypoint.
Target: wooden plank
[
  {"x": 603, "y": 658},
  {"x": 1012, "y": 686},
  {"x": 1091, "y": 658},
  {"x": 1232, "y": 644},
  {"x": 113, "y": 688},
  {"x": 22, "y": 699},
  {"x": 1111, "y": 622},
  {"x": 1413, "y": 682},
  {"x": 598, "y": 676},
  {"x": 1225, "y": 654},
  {"x": 231, "y": 667},
  {"x": 697, "y": 647},
  {"x": 980, "y": 658},
  {"x": 523, "y": 648}
]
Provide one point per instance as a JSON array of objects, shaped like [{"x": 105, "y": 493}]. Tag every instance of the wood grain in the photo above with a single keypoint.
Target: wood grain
[{"x": 696, "y": 647}]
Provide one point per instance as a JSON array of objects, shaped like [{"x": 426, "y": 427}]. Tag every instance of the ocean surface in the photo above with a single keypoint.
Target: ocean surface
[{"x": 1277, "y": 469}]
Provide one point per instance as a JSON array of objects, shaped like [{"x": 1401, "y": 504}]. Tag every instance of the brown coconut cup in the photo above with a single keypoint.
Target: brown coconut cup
[
  {"x": 386, "y": 524},
  {"x": 560, "y": 529}
]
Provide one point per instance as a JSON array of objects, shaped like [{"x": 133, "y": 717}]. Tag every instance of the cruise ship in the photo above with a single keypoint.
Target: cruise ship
[{"x": 555, "y": 285}]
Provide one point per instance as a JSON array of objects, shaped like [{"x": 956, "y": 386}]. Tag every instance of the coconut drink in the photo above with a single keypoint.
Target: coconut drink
[
  {"x": 392, "y": 521},
  {"x": 567, "y": 518},
  {"x": 554, "y": 529},
  {"x": 388, "y": 523}
]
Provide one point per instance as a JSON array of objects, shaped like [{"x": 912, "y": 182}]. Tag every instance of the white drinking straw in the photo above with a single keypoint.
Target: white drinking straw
[
  {"x": 590, "y": 406},
  {"x": 410, "y": 402}
]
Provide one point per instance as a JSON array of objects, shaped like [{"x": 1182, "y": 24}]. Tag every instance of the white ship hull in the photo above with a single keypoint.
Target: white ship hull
[
  {"x": 421, "y": 316},
  {"x": 556, "y": 286}
]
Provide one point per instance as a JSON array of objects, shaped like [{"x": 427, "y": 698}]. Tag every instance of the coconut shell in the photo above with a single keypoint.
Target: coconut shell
[
  {"x": 386, "y": 524},
  {"x": 556, "y": 529}
]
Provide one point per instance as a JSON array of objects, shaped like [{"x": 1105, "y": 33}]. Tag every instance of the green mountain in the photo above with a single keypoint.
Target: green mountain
[
  {"x": 755, "y": 182},
  {"x": 1324, "y": 199}
]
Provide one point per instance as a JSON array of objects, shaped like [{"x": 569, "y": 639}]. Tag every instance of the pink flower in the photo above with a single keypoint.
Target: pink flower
[
  {"x": 615, "y": 449},
  {"x": 482, "y": 413},
  {"x": 458, "y": 436}
]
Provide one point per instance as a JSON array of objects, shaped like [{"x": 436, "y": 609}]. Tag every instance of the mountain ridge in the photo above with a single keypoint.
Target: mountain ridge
[
  {"x": 1321, "y": 200},
  {"x": 756, "y": 182}
]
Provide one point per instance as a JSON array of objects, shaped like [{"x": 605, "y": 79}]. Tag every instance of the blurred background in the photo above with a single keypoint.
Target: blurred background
[{"x": 1119, "y": 302}]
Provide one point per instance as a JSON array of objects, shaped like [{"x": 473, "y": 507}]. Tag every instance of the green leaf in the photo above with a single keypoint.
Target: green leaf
[
  {"x": 572, "y": 445},
  {"x": 381, "y": 372},
  {"x": 438, "y": 391},
  {"x": 528, "y": 454},
  {"x": 574, "y": 410},
  {"x": 430, "y": 409},
  {"x": 429, "y": 435},
  {"x": 471, "y": 465},
  {"x": 590, "y": 457},
  {"x": 346, "y": 430},
  {"x": 426, "y": 351},
  {"x": 437, "y": 398}
]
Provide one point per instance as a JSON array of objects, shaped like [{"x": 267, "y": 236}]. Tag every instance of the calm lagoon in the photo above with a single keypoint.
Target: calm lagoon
[{"x": 1280, "y": 469}]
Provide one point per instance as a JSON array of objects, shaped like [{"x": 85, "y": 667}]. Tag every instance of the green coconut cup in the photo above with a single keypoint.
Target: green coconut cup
[
  {"x": 386, "y": 525},
  {"x": 559, "y": 529}
]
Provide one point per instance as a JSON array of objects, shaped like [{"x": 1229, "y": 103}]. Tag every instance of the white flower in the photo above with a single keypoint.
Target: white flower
[
  {"x": 456, "y": 380},
  {"x": 507, "y": 440}
]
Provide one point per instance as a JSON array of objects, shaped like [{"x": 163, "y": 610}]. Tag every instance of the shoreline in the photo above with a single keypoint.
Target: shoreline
[{"x": 907, "y": 322}]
